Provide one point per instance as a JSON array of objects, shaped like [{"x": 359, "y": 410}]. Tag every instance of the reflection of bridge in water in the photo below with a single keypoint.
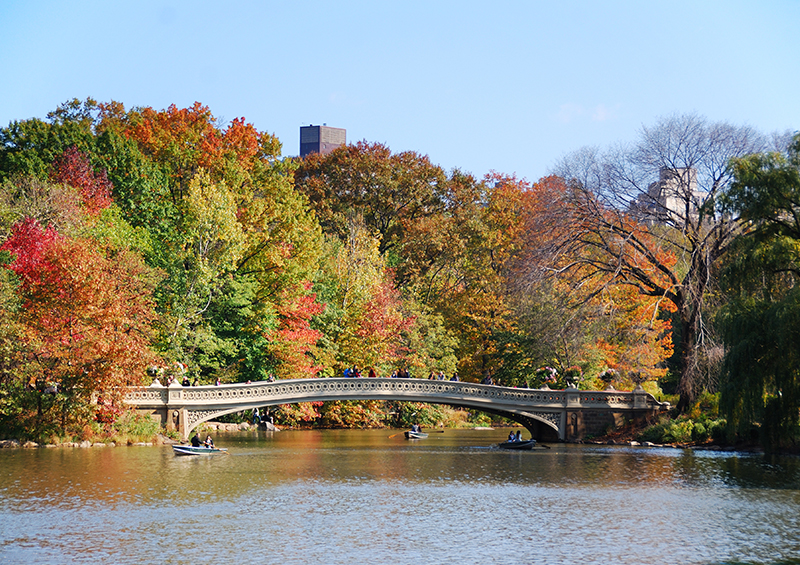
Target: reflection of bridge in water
[{"x": 565, "y": 415}]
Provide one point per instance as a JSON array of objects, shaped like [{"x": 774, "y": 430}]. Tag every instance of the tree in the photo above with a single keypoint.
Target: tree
[
  {"x": 391, "y": 192},
  {"x": 294, "y": 341},
  {"x": 761, "y": 378},
  {"x": 12, "y": 351},
  {"x": 232, "y": 234},
  {"x": 86, "y": 320},
  {"x": 30, "y": 147},
  {"x": 635, "y": 206},
  {"x": 365, "y": 319},
  {"x": 73, "y": 168}
]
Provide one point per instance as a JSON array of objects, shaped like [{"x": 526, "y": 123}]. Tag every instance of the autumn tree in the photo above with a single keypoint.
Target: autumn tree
[
  {"x": 85, "y": 321},
  {"x": 636, "y": 205},
  {"x": 419, "y": 220},
  {"x": 73, "y": 168},
  {"x": 234, "y": 236},
  {"x": 294, "y": 341},
  {"x": 392, "y": 192},
  {"x": 365, "y": 319}
]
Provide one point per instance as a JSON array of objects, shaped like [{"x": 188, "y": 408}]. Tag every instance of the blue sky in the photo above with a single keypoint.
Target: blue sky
[{"x": 509, "y": 86}]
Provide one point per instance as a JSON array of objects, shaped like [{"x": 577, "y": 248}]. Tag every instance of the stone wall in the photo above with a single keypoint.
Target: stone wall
[{"x": 589, "y": 423}]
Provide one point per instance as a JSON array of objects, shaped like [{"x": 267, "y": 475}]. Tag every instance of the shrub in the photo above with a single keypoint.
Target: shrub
[
  {"x": 700, "y": 433},
  {"x": 133, "y": 426},
  {"x": 684, "y": 430}
]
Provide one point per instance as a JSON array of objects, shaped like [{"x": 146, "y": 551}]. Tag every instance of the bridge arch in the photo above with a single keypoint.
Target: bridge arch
[{"x": 542, "y": 411}]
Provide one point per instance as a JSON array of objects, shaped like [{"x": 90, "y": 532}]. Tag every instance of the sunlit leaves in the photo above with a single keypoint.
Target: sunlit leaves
[
  {"x": 368, "y": 314},
  {"x": 293, "y": 342},
  {"x": 212, "y": 230},
  {"x": 73, "y": 168},
  {"x": 86, "y": 316}
]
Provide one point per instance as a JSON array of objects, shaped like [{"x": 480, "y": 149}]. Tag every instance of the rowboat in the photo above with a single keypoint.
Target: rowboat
[
  {"x": 523, "y": 445},
  {"x": 415, "y": 435},
  {"x": 191, "y": 450}
]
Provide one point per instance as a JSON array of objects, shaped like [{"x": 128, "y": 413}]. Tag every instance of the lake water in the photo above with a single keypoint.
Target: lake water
[{"x": 361, "y": 497}]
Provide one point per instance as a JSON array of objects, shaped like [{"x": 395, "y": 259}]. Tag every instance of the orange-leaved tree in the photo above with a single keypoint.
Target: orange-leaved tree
[{"x": 86, "y": 317}]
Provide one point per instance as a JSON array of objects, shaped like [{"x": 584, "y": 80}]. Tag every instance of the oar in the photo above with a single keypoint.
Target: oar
[{"x": 397, "y": 434}]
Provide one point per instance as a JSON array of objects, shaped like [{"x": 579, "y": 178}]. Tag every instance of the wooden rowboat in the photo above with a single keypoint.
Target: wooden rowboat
[
  {"x": 415, "y": 435},
  {"x": 522, "y": 445},
  {"x": 190, "y": 450}
]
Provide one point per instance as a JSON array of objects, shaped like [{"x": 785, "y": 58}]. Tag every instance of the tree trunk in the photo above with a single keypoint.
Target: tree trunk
[{"x": 687, "y": 388}]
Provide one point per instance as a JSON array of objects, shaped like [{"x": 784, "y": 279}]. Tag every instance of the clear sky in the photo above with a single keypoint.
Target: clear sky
[{"x": 509, "y": 86}]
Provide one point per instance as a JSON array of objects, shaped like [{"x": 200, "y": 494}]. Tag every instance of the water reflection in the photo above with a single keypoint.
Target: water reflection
[{"x": 344, "y": 496}]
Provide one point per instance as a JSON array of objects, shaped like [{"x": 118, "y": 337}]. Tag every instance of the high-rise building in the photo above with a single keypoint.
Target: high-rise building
[
  {"x": 321, "y": 139},
  {"x": 675, "y": 198}
]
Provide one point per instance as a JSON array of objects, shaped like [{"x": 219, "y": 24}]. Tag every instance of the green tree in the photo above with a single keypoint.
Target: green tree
[
  {"x": 761, "y": 320},
  {"x": 30, "y": 147}
]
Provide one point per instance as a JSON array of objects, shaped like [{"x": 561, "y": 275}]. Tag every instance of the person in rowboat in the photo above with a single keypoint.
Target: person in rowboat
[
  {"x": 209, "y": 442},
  {"x": 195, "y": 441}
]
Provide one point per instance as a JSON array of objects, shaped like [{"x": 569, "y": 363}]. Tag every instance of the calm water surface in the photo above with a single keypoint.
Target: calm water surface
[{"x": 361, "y": 497}]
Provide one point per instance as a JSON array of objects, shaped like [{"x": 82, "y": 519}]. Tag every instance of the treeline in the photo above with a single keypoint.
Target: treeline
[{"x": 141, "y": 243}]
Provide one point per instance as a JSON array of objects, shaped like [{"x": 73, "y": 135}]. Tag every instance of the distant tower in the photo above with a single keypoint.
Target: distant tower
[{"x": 321, "y": 139}]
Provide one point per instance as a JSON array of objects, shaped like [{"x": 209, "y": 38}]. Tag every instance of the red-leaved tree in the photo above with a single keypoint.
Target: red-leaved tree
[
  {"x": 294, "y": 342},
  {"x": 86, "y": 318},
  {"x": 74, "y": 169}
]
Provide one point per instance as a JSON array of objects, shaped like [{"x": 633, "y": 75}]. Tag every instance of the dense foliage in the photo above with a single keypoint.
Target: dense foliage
[
  {"x": 142, "y": 242},
  {"x": 761, "y": 321}
]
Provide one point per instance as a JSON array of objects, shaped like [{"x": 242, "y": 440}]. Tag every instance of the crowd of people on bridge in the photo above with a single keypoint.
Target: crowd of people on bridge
[{"x": 402, "y": 373}]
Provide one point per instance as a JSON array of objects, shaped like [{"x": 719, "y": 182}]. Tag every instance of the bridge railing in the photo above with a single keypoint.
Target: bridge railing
[{"x": 295, "y": 390}]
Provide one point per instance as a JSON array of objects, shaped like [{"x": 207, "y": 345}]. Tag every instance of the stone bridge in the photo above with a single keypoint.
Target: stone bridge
[{"x": 551, "y": 415}]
